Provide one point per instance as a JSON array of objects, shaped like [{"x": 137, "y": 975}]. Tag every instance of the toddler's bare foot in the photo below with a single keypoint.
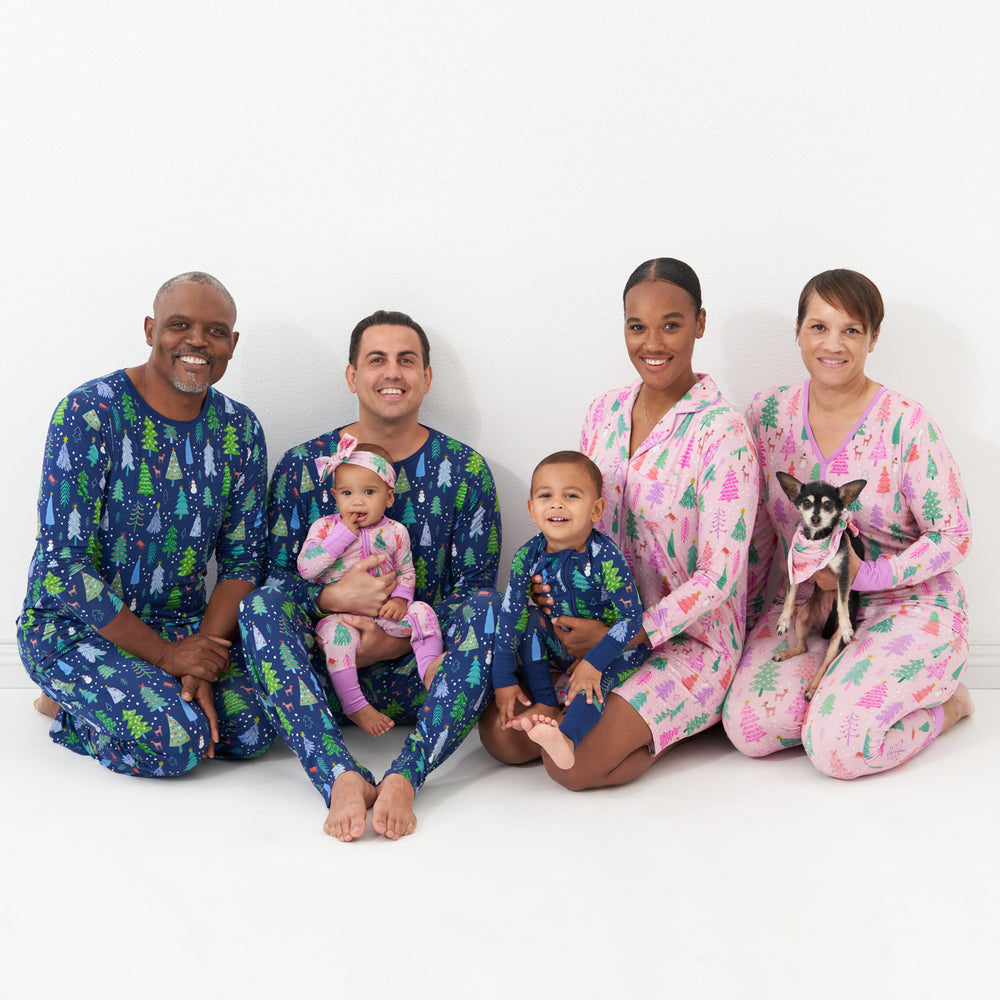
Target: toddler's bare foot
[
  {"x": 371, "y": 720},
  {"x": 958, "y": 706},
  {"x": 523, "y": 718},
  {"x": 350, "y": 799},
  {"x": 393, "y": 812},
  {"x": 544, "y": 730},
  {"x": 47, "y": 706}
]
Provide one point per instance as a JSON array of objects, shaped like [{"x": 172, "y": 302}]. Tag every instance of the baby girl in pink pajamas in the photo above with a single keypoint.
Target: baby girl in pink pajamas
[{"x": 364, "y": 482}]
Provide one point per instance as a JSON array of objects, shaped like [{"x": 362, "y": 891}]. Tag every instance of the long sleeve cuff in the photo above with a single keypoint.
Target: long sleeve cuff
[
  {"x": 656, "y": 638},
  {"x": 875, "y": 574},
  {"x": 504, "y": 669},
  {"x": 338, "y": 539},
  {"x": 606, "y": 651}
]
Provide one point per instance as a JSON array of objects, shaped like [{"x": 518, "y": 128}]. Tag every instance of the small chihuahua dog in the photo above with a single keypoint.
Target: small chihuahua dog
[{"x": 820, "y": 506}]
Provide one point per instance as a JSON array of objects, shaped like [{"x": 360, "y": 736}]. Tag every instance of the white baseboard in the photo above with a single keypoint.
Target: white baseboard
[
  {"x": 983, "y": 670},
  {"x": 984, "y": 665},
  {"x": 12, "y": 673}
]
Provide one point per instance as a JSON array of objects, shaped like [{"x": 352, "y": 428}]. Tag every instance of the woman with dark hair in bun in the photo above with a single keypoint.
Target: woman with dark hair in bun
[
  {"x": 897, "y": 686},
  {"x": 680, "y": 485}
]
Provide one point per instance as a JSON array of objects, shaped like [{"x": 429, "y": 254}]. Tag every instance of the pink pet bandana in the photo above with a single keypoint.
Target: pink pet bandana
[
  {"x": 805, "y": 557},
  {"x": 326, "y": 465}
]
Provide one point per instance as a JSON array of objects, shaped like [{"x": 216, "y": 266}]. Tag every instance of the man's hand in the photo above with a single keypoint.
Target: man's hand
[
  {"x": 585, "y": 679},
  {"x": 197, "y": 690},
  {"x": 579, "y": 635},
  {"x": 826, "y": 579},
  {"x": 357, "y": 591},
  {"x": 393, "y": 609},
  {"x": 375, "y": 645},
  {"x": 204, "y": 657},
  {"x": 507, "y": 698}
]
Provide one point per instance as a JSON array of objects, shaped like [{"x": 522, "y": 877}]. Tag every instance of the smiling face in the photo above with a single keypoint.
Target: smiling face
[
  {"x": 564, "y": 505},
  {"x": 361, "y": 494},
  {"x": 834, "y": 345},
  {"x": 389, "y": 378},
  {"x": 192, "y": 339},
  {"x": 661, "y": 327}
]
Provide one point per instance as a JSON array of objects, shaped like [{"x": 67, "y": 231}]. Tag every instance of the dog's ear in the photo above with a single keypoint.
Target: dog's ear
[
  {"x": 790, "y": 485},
  {"x": 849, "y": 491}
]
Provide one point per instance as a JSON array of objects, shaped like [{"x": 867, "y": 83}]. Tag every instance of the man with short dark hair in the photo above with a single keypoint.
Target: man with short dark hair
[
  {"x": 149, "y": 472},
  {"x": 445, "y": 496}
]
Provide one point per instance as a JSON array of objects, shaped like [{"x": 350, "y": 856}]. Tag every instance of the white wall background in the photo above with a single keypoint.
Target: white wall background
[{"x": 497, "y": 170}]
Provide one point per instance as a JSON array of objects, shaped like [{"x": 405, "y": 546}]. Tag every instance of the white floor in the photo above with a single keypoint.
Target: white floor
[{"x": 713, "y": 876}]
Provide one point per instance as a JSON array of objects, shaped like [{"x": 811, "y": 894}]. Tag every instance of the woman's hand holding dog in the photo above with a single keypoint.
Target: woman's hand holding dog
[{"x": 826, "y": 579}]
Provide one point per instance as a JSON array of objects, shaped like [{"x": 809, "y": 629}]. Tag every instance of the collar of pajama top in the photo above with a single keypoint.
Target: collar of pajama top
[
  {"x": 702, "y": 395},
  {"x": 806, "y": 556}
]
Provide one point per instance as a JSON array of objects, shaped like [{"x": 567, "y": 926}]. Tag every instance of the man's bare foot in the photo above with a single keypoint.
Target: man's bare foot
[
  {"x": 47, "y": 706},
  {"x": 544, "y": 730},
  {"x": 523, "y": 719},
  {"x": 371, "y": 720},
  {"x": 350, "y": 799},
  {"x": 958, "y": 706},
  {"x": 393, "y": 813},
  {"x": 432, "y": 670}
]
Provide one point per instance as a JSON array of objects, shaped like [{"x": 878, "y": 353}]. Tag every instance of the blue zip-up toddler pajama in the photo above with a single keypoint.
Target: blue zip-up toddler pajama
[{"x": 595, "y": 583}]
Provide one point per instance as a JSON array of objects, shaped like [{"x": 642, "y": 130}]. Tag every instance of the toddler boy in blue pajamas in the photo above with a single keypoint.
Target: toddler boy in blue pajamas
[{"x": 589, "y": 579}]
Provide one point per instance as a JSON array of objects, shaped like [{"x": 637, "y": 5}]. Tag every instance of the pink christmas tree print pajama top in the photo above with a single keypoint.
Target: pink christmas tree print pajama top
[
  {"x": 680, "y": 509},
  {"x": 879, "y": 702}
]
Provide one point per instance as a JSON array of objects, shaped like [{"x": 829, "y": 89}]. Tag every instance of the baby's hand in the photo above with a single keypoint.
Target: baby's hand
[
  {"x": 350, "y": 521},
  {"x": 393, "y": 609},
  {"x": 585, "y": 678},
  {"x": 507, "y": 698}
]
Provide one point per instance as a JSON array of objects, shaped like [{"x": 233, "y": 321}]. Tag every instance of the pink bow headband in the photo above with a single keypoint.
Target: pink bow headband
[{"x": 326, "y": 465}]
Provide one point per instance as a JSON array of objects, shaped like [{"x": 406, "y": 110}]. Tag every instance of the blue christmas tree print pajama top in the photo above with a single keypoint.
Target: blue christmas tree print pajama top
[
  {"x": 132, "y": 507},
  {"x": 446, "y": 498}
]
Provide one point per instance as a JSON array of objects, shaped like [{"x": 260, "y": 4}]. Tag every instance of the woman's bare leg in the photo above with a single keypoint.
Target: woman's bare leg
[
  {"x": 958, "y": 706},
  {"x": 45, "y": 705}
]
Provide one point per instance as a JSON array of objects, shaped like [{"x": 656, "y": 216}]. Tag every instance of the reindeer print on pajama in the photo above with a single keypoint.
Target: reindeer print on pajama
[
  {"x": 879, "y": 703},
  {"x": 681, "y": 511}
]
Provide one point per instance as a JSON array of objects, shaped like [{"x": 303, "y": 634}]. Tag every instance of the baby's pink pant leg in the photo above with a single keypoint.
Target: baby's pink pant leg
[
  {"x": 426, "y": 638},
  {"x": 340, "y": 643}
]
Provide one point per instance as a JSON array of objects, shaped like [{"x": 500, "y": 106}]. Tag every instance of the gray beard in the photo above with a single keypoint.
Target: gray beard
[{"x": 187, "y": 386}]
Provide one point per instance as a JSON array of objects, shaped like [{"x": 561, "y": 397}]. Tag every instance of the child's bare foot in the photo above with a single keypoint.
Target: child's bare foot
[
  {"x": 523, "y": 719},
  {"x": 393, "y": 812},
  {"x": 371, "y": 720},
  {"x": 47, "y": 706},
  {"x": 350, "y": 799},
  {"x": 544, "y": 730},
  {"x": 958, "y": 706}
]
